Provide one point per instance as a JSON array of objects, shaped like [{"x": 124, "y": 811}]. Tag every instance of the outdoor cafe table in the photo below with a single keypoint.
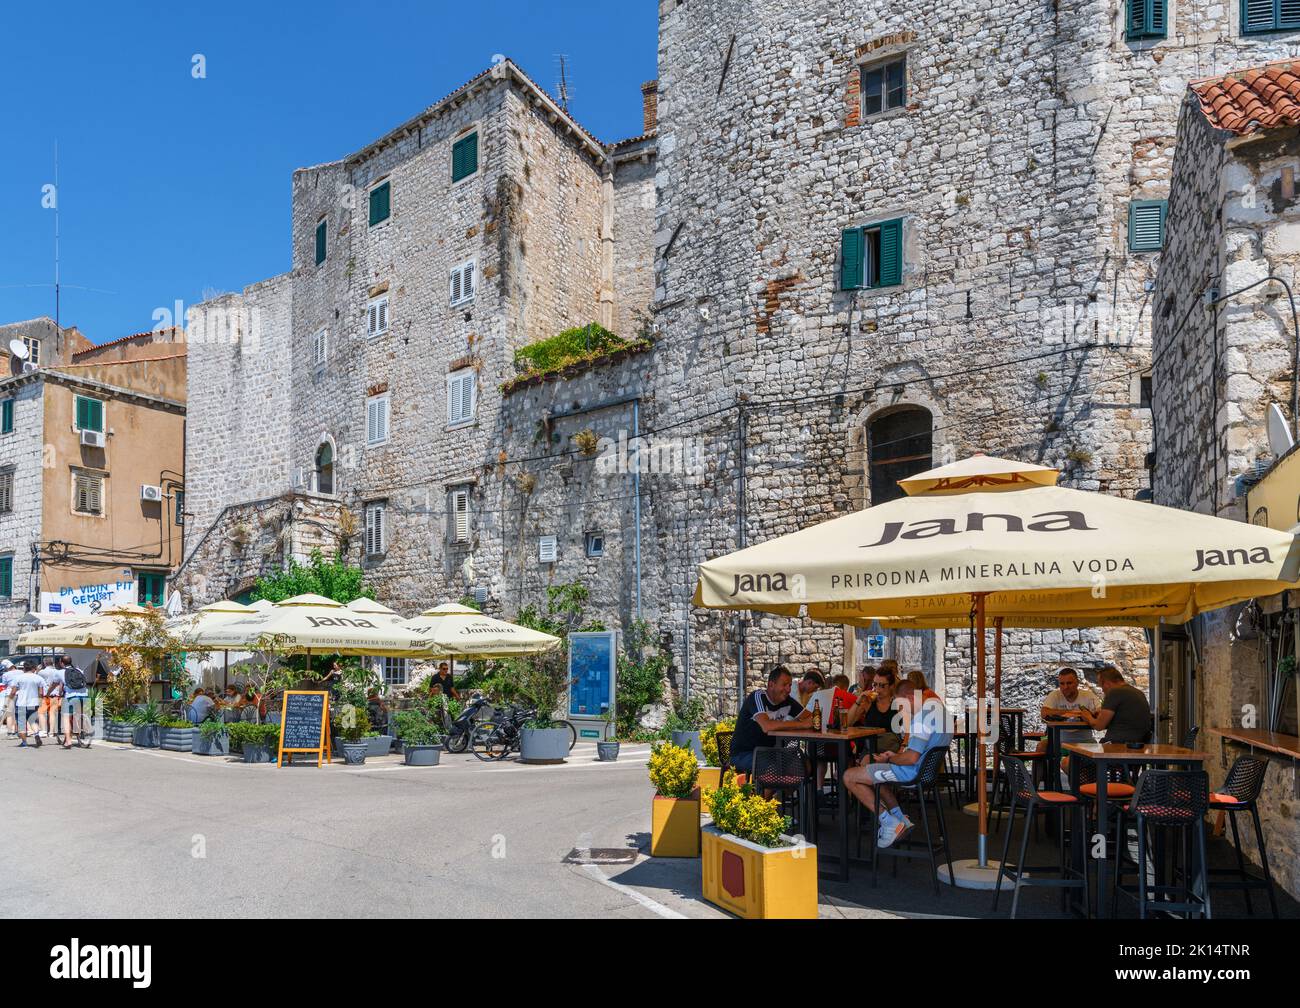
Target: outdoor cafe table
[
  {"x": 1106, "y": 755},
  {"x": 843, "y": 760},
  {"x": 1053, "y": 728}
]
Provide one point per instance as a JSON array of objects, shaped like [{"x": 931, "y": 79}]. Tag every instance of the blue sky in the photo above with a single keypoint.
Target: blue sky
[{"x": 170, "y": 186}]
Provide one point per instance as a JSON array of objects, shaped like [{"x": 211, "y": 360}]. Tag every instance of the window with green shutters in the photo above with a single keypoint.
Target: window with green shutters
[
  {"x": 1269, "y": 15},
  {"x": 1147, "y": 19},
  {"x": 1146, "y": 225},
  {"x": 320, "y": 242},
  {"x": 6, "y": 576},
  {"x": 464, "y": 157},
  {"x": 872, "y": 256},
  {"x": 151, "y": 588},
  {"x": 90, "y": 414},
  {"x": 379, "y": 204},
  {"x": 7, "y": 417}
]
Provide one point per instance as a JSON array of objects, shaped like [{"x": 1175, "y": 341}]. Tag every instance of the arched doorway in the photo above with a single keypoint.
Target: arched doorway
[
  {"x": 900, "y": 443},
  {"x": 325, "y": 468}
]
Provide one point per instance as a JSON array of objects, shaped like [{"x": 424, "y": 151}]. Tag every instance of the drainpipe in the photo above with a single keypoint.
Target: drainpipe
[
  {"x": 743, "y": 622},
  {"x": 636, "y": 491}
]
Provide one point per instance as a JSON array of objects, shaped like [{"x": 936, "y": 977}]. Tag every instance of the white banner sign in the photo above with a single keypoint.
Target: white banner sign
[{"x": 88, "y": 600}]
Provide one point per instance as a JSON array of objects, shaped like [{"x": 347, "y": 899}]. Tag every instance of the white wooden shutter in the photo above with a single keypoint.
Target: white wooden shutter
[
  {"x": 377, "y": 316},
  {"x": 460, "y": 515},
  {"x": 319, "y": 349},
  {"x": 460, "y": 396},
  {"x": 383, "y": 315},
  {"x": 546, "y": 549},
  {"x": 377, "y": 419},
  {"x": 376, "y": 540},
  {"x": 462, "y": 283},
  {"x": 89, "y": 493}
]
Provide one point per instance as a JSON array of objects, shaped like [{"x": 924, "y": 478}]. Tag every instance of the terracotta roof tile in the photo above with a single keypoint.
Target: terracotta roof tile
[{"x": 1245, "y": 101}]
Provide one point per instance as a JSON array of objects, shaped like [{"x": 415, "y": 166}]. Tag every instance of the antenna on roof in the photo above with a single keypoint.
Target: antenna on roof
[{"x": 563, "y": 87}]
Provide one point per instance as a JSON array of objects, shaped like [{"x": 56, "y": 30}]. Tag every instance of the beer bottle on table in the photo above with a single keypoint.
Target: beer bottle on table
[{"x": 817, "y": 715}]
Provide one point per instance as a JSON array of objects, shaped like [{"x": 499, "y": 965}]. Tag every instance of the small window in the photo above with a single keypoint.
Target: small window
[
  {"x": 88, "y": 493},
  {"x": 462, "y": 396},
  {"x": 320, "y": 241},
  {"x": 325, "y": 468},
  {"x": 377, "y": 316},
  {"x": 458, "y": 514},
  {"x": 394, "y": 671},
  {"x": 376, "y": 530},
  {"x": 464, "y": 157},
  {"x": 33, "y": 350},
  {"x": 319, "y": 349},
  {"x": 1145, "y": 392},
  {"x": 151, "y": 588},
  {"x": 7, "y": 417},
  {"x": 1146, "y": 19},
  {"x": 6, "y": 576},
  {"x": 90, "y": 414},
  {"x": 872, "y": 256},
  {"x": 595, "y": 544},
  {"x": 379, "y": 204},
  {"x": 462, "y": 283},
  {"x": 6, "y": 491},
  {"x": 180, "y": 507},
  {"x": 1269, "y": 15},
  {"x": 1146, "y": 224},
  {"x": 547, "y": 549},
  {"x": 884, "y": 87},
  {"x": 377, "y": 417}
]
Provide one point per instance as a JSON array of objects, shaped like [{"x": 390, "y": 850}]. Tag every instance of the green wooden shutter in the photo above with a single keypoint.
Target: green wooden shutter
[
  {"x": 1146, "y": 225},
  {"x": 1135, "y": 24},
  {"x": 6, "y": 576},
  {"x": 891, "y": 253},
  {"x": 464, "y": 157},
  {"x": 379, "y": 200},
  {"x": 90, "y": 414},
  {"x": 320, "y": 243},
  {"x": 1146, "y": 19},
  {"x": 7, "y": 417},
  {"x": 1288, "y": 13},
  {"x": 851, "y": 244}
]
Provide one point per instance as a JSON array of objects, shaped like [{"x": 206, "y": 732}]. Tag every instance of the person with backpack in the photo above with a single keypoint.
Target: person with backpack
[
  {"x": 52, "y": 699},
  {"x": 76, "y": 687}
]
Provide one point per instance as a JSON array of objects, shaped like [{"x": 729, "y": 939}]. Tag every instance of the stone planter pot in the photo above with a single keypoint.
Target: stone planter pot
[
  {"x": 376, "y": 745},
  {"x": 544, "y": 745},
  {"x": 177, "y": 739},
  {"x": 354, "y": 753},
  {"x": 689, "y": 740},
  {"x": 675, "y": 826},
  {"x": 146, "y": 736},
  {"x": 422, "y": 755},
  {"x": 257, "y": 754},
  {"x": 606, "y": 752},
  {"x": 118, "y": 731},
  {"x": 212, "y": 745},
  {"x": 759, "y": 883}
]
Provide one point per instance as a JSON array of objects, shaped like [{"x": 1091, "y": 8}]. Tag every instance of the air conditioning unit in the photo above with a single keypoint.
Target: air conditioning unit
[
  {"x": 150, "y": 493},
  {"x": 92, "y": 439},
  {"x": 546, "y": 549}
]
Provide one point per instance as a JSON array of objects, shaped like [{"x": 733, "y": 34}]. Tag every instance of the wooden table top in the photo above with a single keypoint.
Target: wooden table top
[
  {"x": 830, "y": 736},
  {"x": 1067, "y": 723},
  {"x": 1275, "y": 742},
  {"x": 1112, "y": 752}
]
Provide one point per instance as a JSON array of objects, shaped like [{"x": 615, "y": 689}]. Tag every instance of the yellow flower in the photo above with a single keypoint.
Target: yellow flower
[{"x": 673, "y": 770}]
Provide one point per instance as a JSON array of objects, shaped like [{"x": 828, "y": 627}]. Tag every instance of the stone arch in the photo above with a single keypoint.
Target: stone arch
[
  {"x": 324, "y": 464},
  {"x": 900, "y": 399}
]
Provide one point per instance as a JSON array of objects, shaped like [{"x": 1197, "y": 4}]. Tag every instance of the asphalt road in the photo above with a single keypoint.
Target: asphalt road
[{"x": 119, "y": 832}]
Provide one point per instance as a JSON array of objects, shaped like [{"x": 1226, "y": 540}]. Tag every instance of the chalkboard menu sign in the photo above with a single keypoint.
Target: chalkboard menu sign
[{"x": 304, "y": 724}]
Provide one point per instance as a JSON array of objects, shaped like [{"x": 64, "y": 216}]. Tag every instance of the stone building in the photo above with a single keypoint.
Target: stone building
[
  {"x": 1224, "y": 328},
  {"x": 355, "y": 402},
  {"x": 91, "y": 483}
]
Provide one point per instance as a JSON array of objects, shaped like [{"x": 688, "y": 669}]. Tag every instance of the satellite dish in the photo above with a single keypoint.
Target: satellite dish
[
  {"x": 1280, "y": 440},
  {"x": 18, "y": 348}
]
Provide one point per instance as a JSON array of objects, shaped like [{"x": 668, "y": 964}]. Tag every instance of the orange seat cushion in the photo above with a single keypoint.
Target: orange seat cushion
[
  {"x": 1028, "y": 755},
  {"x": 1033, "y": 734},
  {"x": 1217, "y": 798},
  {"x": 1113, "y": 790},
  {"x": 1057, "y": 796}
]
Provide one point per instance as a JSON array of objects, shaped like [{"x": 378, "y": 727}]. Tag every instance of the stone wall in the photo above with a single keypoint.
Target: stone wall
[
  {"x": 633, "y": 254},
  {"x": 22, "y": 452}
]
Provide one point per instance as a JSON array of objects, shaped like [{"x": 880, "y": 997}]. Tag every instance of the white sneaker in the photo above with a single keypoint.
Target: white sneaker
[{"x": 892, "y": 831}]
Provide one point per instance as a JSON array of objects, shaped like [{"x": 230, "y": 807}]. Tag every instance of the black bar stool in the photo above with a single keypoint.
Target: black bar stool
[
  {"x": 1240, "y": 793},
  {"x": 1026, "y": 796},
  {"x": 1007, "y": 745},
  {"x": 926, "y": 782},
  {"x": 781, "y": 769},
  {"x": 1169, "y": 801}
]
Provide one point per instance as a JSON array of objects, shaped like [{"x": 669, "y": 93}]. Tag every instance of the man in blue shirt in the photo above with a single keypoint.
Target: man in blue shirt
[{"x": 922, "y": 716}]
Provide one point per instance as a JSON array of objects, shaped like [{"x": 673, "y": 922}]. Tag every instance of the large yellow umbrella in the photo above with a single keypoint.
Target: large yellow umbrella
[
  {"x": 1001, "y": 538},
  {"x": 99, "y": 631},
  {"x": 456, "y": 631}
]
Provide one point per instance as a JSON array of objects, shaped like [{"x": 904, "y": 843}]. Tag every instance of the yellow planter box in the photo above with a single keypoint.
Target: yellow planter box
[
  {"x": 675, "y": 826},
  {"x": 710, "y": 779},
  {"x": 759, "y": 883}
]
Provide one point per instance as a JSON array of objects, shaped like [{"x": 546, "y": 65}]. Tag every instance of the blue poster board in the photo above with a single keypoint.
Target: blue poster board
[{"x": 591, "y": 673}]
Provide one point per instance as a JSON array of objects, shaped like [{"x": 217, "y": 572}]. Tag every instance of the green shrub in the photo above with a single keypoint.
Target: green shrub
[
  {"x": 709, "y": 739},
  {"x": 673, "y": 770},
  {"x": 246, "y": 733},
  {"x": 416, "y": 727},
  {"x": 568, "y": 347},
  {"x": 744, "y": 813}
]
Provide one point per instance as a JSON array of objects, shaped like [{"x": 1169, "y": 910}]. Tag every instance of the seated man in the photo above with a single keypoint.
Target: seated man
[
  {"x": 927, "y": 724},
  {"x": 765, "y": 712},
  {"x": 1125, "y": 714},
  {"x": 202, "y": 705},
  {"x": 1065, "y": 702}
]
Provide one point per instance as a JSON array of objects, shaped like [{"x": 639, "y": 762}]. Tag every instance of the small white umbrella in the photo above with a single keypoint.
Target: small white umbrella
[
  {"x": 377, "y": 610},
  {"x": 456, "y": 631},
  {"x": 90, "y": 632}
]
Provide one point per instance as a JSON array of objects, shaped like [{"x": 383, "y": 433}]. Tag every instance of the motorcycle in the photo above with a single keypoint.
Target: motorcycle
[{"x": 462, "y": 728}]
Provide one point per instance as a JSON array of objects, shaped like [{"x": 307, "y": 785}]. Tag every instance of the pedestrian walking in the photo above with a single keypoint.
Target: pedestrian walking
[
  {"x": 29, "y": 690},
  {"x": 9, "y": 673},
  {"x": 76, "y": 688},
  {"x": 52, "y": 701}
]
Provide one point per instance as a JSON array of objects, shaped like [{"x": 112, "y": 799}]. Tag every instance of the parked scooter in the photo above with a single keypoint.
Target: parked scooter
[{"x": 459, "y": 731}]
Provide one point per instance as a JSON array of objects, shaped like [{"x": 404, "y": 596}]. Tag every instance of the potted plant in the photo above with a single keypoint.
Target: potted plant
[
  {"x": 540, "y": 742},
  {"x": 352, "y": 725},
  {"x": 749, "y": 865},
  {"x": 421, "y": 739},
  {"x": 260, "y": 743},
  {"x": 675, "y": 810},
  {"x": 684, "y": 724},
  {"x": 607, "y": 748},
  {"x": 711, "y": 771},
  {"x": 145, "y": 721},
  {"x": 212, "y": 739},
  {"x": 177, "y": 736}
]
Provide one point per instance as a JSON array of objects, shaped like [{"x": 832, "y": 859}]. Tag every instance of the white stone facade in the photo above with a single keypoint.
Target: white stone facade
[{"x": 22, "y": 452}]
